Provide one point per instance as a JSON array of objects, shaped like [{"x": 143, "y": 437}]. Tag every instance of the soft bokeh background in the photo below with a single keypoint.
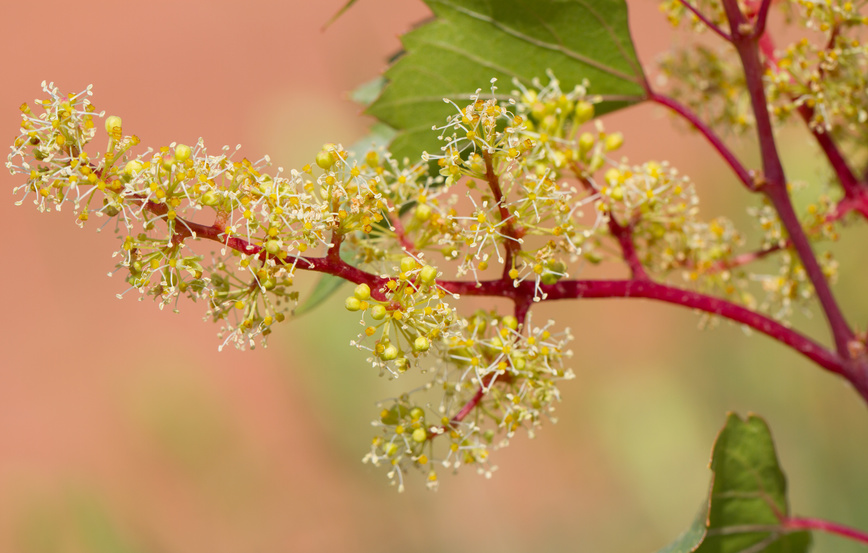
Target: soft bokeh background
[{"x": 122, "y": 429}]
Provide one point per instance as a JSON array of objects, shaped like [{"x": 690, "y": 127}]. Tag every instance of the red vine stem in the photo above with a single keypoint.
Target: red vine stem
[
  {"x": 774, "y": 181},
  {"x": 740, "y": 171},
  {"x": 842, "y": 170},
  {"x": 565, "y": 289},
  {"x": 622, "y": 233},
  {"x": 796, "y": 523},
  {"x": 720, "y": 32},
  {"x": 511, "y": 244}
]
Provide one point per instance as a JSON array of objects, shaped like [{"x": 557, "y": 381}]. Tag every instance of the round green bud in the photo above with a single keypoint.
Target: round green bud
[
  {"x": 593, "y": 257},
  {"x": 549, "y": 123},
  {"x": 586, "y": 142},
  {"x": 113, "y": 125},
  {"x": 509, "y": 322},
  {"x": 614, "y": 141},
  {"x": 420, "y": 435},
  {"x": 362, "y": 291},
  {"x": 417, "y": 413},
  {"x": 428, "y": 274},
  {"x": 378, "y": 312},
  {"x": 210, "y": 198},
  {"x": 393, "y": 415},
  {"x": 584, "y": 111},
  {"x": 353, "y": 304},
  {"x": 183, "y": 152},
  {"x": 269, "y": 283},
  {"x": 549, "y": 278},
  {"x": 519, "y": 362},
  {"x": 390, "y": 353},
  {"x": 390, "y": 448},
  {"x": 407, "y": 264},
  {"x": 132, "y": 167},
  {"x": 272, "y": 247},
  {"x": 421, "y": 344},
  {"x": 326, "y": 158},
  {"x": 556, "y": 265},
  {"x": 423, "y": 212}
]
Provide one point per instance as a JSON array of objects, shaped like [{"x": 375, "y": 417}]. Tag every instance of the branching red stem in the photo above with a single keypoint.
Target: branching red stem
[
  {"x": 511, "y": 244},
  {"x": 720, "y": 32},
  {"x": 743, "y": 175},
  {"x": 774, "y": 183}
]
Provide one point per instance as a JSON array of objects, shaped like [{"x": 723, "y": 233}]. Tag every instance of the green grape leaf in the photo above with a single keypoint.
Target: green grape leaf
[
  {"x": 748, "y": 493},
  {"x": 690, "y": 540},
  {"x": 469, "y": 42},
  {"x": 748, "y": 496}
]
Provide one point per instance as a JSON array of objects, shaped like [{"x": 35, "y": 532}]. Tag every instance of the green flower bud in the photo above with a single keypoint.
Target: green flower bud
[
  {"x": 272, "y": 247},
  {"x": 586, "y": 142},
  {"x": 378, "y": 312},
  {"x": 421, "y": 344},
  {"x": 393, "y": 415},
  {"x": 428, "y": 274},
  {"x": 326, "y": 158},
  {"x": 210, "y": 198},
  {"x": 390, "y": 353},
  {"x": 132, "y": 167},
  {"x": 423, "y": 212},
  {"x": 420, "y": 435},
  {"x": 518, "y": 361},
  {"x": 407, "y": 264},
  {"x": 614, "y": 141},
  {"x": 362, "y": 291},
  {"x": 584, "y": 111},
  {"x": 183, "y": 152},
  {"x": 509, "y": 322},
  {"x": 353, "y": 304},
  {"x": 113, "y": 125}
]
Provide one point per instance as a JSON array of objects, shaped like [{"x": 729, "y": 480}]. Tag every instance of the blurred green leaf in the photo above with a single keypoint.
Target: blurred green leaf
[
  {"x": 366, "y": 93},
  {"x": 748, "y": 495},
  {"x": 692, "y": 537},
  {"x": 472, "y": 41},
  {"x": 325, "y": 287},
  {"x": 339, "y": 13}
]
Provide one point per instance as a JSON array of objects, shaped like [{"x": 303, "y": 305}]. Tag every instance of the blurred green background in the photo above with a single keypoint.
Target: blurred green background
[{"x": 122, "y": 429}]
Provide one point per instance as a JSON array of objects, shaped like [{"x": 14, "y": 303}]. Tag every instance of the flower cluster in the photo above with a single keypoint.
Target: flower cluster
[
  {"x": 526, "y": 192},
  {"x": 822, "y": 77},
  {"x": 496, "y": 377},
  {"x": 410, "y": 318},
  {"x": 707, "y": 81}
]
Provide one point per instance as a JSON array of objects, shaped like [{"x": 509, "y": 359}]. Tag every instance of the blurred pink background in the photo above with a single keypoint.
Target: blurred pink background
[{"x": 122, "y": 429}]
